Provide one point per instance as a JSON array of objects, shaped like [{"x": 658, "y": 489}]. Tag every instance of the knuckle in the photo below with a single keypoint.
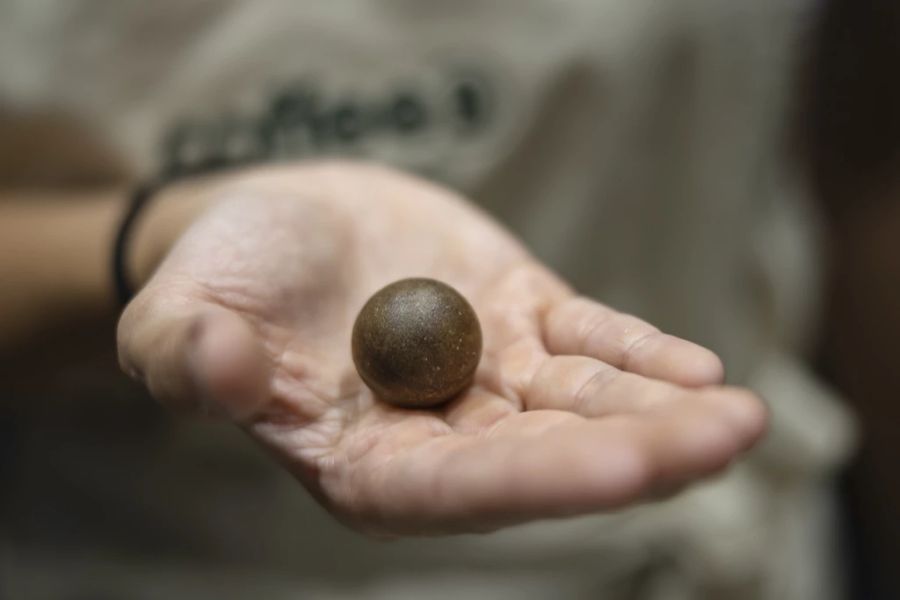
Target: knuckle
[
  {"x": 635, "y": 341},
  {"x": 585, "y": 397}
]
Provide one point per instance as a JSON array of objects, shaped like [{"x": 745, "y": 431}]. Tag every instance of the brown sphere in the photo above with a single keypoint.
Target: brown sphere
[{"x": 416, "y": 343}]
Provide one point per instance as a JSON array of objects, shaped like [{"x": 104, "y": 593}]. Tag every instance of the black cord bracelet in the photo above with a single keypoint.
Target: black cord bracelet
[
  {"x": 140, "y": 197},
  {"x": 124, "y": 288}
]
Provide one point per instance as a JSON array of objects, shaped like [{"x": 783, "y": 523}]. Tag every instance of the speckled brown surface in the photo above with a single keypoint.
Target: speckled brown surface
[{"x": 416, "y": 343}]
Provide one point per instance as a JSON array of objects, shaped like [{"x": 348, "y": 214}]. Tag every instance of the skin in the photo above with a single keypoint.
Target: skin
[
  {"x": 54, "y": 248},
  {"x": 253, "y": 284}
]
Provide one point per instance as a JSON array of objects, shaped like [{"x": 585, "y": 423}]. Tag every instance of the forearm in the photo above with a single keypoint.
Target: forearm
[
  {"x": 55, "y": 252},
  {"x": 54, "y": 249}
]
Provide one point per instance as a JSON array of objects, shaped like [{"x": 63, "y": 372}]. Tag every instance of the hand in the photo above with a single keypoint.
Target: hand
[{"x": 575, "y": 408}]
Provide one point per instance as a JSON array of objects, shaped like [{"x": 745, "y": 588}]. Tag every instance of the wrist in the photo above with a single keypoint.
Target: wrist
[{"x": 167, "y": 214}]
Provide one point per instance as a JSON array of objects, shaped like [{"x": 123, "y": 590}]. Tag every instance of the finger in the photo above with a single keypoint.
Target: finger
[
  {"x": 509, "y": 372},
  {"x": 194, "y": 357},
  {"x": 582, "y": 326},
  {"x": 575, "y": 466},
  {"x": 593, "y": 389}
]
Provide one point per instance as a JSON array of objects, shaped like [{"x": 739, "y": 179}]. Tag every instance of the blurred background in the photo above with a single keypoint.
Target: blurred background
[
  {"x": 775, "y": 125},
  {"x": 852, "y": 149}
]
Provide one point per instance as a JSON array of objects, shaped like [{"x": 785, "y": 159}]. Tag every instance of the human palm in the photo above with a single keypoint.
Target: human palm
[{"x": 575, "y": 408}]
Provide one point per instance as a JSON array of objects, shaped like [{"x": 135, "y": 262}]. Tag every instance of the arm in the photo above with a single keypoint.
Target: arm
[
  {"x": 55, "y": 253},
  {"x": 575, "y": 408},
  {"x": 251, "y": 282},
  {"x": 54, "y": 248}
]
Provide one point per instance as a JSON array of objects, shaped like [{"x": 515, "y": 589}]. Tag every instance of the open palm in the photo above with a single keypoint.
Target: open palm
[{"x": 575, "y": 408}]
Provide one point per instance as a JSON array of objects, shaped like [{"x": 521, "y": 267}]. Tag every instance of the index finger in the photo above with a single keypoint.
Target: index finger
[{"x": 580, "y": 326}]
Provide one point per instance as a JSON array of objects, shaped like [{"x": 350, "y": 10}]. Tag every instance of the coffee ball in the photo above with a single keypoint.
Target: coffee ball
[{"x": 416, "y": 343}]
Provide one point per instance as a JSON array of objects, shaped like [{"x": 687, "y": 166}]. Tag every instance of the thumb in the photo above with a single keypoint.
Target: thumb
[{"x": 194, "y": 356}]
